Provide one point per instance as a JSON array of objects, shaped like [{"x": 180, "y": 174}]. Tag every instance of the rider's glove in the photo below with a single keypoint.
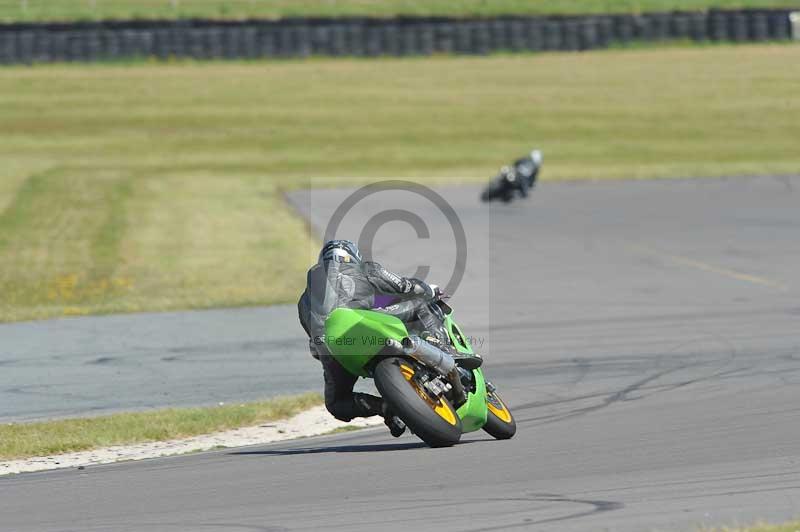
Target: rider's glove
[{"x": 421, "y": 288}]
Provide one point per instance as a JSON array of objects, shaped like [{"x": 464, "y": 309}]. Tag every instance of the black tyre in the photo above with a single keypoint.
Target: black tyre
[
  {"x": 500, "y": 422},
  {"x": 436, "y": 423},
  {"x": 489, "y": 193}
]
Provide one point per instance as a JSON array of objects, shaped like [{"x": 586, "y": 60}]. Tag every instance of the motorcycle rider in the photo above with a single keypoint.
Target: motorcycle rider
[
  {"x": 519, "y": 177},
  {"x": 527, "y": 170},
  {"x": 342, "y": 279}
]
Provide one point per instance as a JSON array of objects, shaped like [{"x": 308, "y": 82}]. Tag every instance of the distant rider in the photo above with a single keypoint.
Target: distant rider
[
  {"x": 518, "y": 178},
  {"x": 527, "y": 170},
  {"x": 342, "y": 279}
]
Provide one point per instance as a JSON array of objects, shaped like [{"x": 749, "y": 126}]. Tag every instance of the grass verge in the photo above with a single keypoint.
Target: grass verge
[
  {"x": 23, "y": 440},
  {"x": 27, "y": 10},
  {"x": 157, "y": 187},
  {"x": 794, "y": 526},
  {"x": 346, "y": 428}
]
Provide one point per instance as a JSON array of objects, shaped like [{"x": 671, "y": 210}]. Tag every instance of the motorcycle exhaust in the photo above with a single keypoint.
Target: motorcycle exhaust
[
  {"x": 435, "y": 358},
  {"x": 430, "y": 355}
]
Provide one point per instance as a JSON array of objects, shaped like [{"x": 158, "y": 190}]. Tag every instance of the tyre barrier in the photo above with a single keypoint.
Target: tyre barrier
[{"x": 205, "y": 39}]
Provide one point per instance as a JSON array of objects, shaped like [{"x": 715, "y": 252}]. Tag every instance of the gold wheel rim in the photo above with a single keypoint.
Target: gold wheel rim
[
  {"x": 441, "y": 407},
  {"x": 498, "y": 408}
]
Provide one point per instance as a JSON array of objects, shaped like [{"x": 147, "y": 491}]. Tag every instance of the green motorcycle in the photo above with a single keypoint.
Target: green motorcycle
[{"x": 437, "y": 396}]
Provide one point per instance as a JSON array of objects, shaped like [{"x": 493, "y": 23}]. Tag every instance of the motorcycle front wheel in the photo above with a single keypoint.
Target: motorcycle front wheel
[
  {"x": 499, "y": 422},
  {"x": 434, "y": 420}
]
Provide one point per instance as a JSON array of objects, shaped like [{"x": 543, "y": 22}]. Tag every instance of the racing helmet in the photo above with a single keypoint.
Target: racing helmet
[{"x": 340, "y": 251}]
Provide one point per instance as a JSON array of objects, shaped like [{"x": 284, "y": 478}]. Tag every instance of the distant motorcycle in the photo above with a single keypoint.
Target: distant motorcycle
[{"x": 516, "y": 179}]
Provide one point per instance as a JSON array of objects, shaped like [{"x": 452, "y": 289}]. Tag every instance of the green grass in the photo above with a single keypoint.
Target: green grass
[
  {"x": 158, "y": 186},
  {"x": 788, "y": 527},
  {"x": 21, "y": 440},
  {"x": 12, "y": 10}
]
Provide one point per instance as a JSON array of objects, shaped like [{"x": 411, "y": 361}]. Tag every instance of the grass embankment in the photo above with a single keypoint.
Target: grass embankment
[
  {"x": 794, "y": 526},
  {"x": 156, "y": 187},
  {"x": 12, "y": 10},
  {"x": 21, "y": 440}
]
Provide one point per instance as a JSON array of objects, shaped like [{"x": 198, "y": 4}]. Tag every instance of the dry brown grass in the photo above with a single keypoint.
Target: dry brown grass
[
  {"x": 45, "y": 438},
  {"x": 154, "y": 187}
]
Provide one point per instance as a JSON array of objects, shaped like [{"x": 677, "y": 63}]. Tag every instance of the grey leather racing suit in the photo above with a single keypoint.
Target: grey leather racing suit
[{"x": 366, "y": 285}]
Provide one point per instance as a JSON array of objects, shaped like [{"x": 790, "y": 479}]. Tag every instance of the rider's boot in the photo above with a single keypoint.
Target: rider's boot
[
  {"x": 368, "y": 405},
  {"x": 468, "y": 362},
  {"x": 395, "y": 424}
]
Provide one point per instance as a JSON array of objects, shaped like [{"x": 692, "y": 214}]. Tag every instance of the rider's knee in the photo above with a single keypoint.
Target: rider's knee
[{"x": 339, "y": 409}]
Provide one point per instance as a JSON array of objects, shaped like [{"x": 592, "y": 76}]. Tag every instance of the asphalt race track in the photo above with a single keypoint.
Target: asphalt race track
[
  {"x": 102, "y": 364},
  {"x": 645, "y": 334}
]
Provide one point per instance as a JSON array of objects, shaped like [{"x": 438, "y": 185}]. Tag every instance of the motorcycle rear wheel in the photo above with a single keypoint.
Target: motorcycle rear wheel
[
  {"x": 434, "y": 421},
  {"x": 500, "y": 422}
]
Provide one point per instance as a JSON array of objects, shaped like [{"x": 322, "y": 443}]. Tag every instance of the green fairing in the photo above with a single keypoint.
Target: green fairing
[
  {"x": 473, "y": 413},
  {"x": 354, "y": 337},
  {"x": 461, "y": 342}
]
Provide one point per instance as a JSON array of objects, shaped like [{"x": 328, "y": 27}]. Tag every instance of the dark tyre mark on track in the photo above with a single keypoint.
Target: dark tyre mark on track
[{"x": 596, "y": 507}]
